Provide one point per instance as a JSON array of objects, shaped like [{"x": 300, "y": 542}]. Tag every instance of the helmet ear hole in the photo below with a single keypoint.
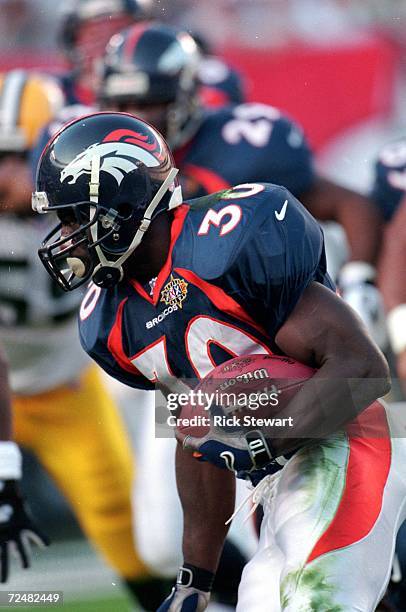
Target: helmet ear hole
[
  {"x": 107, "y": 276},
  {"x": 125, "y": 210}
]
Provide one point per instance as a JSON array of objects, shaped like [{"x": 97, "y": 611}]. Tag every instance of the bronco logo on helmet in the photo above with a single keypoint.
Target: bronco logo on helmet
[{"x": 120, "y": 152}]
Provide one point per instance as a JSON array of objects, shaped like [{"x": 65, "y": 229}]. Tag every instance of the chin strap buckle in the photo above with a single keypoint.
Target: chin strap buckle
[
  {"x": 39, "y": 202},
  {"x": 144, "y": 225},
  {"x": 94, "y": 179}
]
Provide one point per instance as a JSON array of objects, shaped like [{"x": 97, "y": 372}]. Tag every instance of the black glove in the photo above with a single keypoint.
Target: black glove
[
  {"x": 17, "y": 529},
  {"x": 191, "y": 592}
]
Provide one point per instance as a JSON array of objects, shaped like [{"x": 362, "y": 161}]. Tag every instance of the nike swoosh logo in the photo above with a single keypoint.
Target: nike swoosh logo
[
  {"x": 228, "y": 458},
  {"x": 281, "y": 214}
]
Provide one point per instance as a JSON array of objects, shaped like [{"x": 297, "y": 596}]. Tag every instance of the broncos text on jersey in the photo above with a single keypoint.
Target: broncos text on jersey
[{"x": 238, "y": 263}]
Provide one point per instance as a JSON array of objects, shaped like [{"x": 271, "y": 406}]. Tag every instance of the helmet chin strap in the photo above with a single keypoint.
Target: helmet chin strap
[{"x": 114, "y": 270}]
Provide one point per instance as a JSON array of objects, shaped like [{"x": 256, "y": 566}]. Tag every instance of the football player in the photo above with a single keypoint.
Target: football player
[
  {"x": 160, "y": 547},
  {"x": 143, "y": 75},
  {"x": 62, "y": 410},
  {"x": 388, "y": 192},
  {"x": 178, "y": 288},
  {"x": 17, "y": 530},
  {"x": 86, "y": 27}
]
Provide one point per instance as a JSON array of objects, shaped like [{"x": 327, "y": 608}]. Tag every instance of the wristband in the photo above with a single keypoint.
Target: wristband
[
  {"x": 260, "y": 448},
  {"x": 10, "y": 461},
  {"x": 396, "y": 323},
  {"x": 196, "y": 577},
  {"x": 355, "y": 273}
]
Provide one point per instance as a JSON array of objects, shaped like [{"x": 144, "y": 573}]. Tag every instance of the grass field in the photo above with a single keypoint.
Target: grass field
[
  {"x": 88, "y": 585},
  {"x": 118, "y": 604}
]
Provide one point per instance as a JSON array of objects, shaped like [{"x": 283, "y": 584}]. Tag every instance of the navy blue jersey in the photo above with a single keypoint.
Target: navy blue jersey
[
  {"x": 244, "y": 144},
  {"x": 221, "y": 85},
  {"x": 238, "y": 263},
  {"x": 390, "y": 178}
]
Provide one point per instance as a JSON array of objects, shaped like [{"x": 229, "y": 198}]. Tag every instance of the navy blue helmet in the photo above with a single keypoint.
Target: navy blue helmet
[
  {"x": 107, "y": 175},
  {"x": 151, "y": 64}
]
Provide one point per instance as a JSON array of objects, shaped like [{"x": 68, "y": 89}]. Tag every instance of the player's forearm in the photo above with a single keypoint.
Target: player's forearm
[
  {"x": 337, "y": 394},
  {"x": 352, "y": 371},
  {"x": 359, "y": 217},
  {"x": 207, "y": 495}
]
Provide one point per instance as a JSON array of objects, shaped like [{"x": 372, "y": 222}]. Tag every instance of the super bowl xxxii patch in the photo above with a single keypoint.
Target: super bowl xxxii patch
[{"x": 174, "y": 292}]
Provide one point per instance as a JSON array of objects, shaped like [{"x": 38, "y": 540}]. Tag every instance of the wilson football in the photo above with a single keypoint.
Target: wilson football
[{"x": 243, "y": 392}]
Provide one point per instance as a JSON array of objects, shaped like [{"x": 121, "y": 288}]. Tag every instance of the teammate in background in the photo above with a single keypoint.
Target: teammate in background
[
  {"x": 88, "y": 25},
  {"x": 244, "y": 143},
  {"x": 86, "y": 28},
  {"x": 392, "y": 283},
  {"x": 388, "y": 192},
  {"x": 233, "y": 275},
  {"x": 220, "y": 84},
  {"x": 16, "y": 526},
  {"x": 62, "y": 411}
]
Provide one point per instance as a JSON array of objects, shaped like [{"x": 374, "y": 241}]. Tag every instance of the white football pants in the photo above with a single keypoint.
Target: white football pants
[{"x": 330, "y": 520}]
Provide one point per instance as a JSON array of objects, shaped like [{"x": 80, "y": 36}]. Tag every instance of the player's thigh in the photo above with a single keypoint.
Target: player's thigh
[
  {"x": 329, "y": 529},
  {"x": 338, "y": 507},
  {"x": 78, "y": 435},
  {"x": 298, "y": 504}
]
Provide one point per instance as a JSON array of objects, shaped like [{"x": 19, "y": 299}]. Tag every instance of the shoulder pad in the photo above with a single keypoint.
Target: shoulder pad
[{"x": 225, "y": 222}]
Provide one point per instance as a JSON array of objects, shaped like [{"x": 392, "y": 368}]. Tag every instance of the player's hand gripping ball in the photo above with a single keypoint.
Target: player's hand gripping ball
[{"x": 234, "y": 408}]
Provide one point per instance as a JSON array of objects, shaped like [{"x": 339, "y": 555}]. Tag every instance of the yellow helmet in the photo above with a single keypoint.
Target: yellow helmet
[{"x": 28, "y": 101}]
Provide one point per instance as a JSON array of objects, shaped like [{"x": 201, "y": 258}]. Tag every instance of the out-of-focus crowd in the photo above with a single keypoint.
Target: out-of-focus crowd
[{"x": 255, "y": 23}]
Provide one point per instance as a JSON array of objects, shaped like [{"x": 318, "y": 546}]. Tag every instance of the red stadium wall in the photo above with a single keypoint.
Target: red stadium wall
[{"x": 326, "y": 89}]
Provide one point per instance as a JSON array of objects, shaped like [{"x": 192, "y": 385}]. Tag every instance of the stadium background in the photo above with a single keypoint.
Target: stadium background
[{"x": 337, "y": 66}]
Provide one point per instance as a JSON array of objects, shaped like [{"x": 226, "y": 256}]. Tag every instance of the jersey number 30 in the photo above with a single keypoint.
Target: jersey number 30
[{"x": 232, "y": 212}]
